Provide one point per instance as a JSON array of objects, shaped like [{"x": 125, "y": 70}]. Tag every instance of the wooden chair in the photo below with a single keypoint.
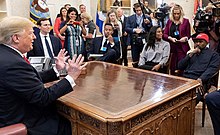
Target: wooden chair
[
  {"x": 212, "y": 82},
  {"x": 15, "y": 129},
  {"x": 167, "y": 65}
]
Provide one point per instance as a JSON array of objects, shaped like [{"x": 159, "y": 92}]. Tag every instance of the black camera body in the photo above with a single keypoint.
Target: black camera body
[
  {"x": 216, "y": 12},
  {"x": 203, "y": 21},
  {"x": 162, "y": 11}
]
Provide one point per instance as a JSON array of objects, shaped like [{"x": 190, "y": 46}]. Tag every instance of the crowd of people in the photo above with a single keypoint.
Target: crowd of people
[{"x": 153, "y": 47}]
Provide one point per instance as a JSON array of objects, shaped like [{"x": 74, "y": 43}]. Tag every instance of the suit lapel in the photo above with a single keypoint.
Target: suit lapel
[
  {"x": 100, "y": 43},
  {"x": 39, "y": 43}
]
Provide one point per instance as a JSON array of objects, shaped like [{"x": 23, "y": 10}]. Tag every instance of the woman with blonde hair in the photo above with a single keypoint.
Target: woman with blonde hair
[
  {"x": 90, "y": 31},
  {"x": 177, "y": 32}
]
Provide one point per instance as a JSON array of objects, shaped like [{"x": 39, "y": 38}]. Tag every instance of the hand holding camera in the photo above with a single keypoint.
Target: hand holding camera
[{"x": 73, "y": 22}]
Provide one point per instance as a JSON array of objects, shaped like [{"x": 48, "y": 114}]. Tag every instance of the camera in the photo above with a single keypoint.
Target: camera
[
  {"x": 203, "y": 21},
  {"x": 162, "y": 11}
]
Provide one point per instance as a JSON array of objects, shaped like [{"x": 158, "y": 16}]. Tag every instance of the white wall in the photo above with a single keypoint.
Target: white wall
[{"x": 21, "y": 7}]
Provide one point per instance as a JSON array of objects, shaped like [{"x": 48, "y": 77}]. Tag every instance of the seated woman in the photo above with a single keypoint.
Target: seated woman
[{"x": 156, "y": 51}]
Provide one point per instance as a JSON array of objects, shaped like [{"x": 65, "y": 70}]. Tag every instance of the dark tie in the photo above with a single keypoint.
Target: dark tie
[
  {"x": 105, "y": 43},
  {"x": 120, "y": 20},
  {"x": 26, "y": 59},
  {"x": 48, "y": 48}
]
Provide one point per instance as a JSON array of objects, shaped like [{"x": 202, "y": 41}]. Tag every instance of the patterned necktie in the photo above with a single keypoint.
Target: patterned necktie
[
  {"x": 48, "y": 48},
  {"x": 25, "y": 58}
]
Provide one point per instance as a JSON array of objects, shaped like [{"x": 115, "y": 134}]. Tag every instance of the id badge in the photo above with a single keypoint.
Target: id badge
[
  {"x": 77, "y": 42},
  {"x": 104, "y": 49},
  {"x": 176, "y": 33}
]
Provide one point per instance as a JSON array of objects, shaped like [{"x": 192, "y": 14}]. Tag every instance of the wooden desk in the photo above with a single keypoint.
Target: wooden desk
[{"x": 116, "y": 100}]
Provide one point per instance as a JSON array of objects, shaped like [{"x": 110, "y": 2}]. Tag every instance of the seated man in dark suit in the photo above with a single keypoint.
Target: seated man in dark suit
[
  {"x": 201, "y": 63},
  {"x": 23, "y": 96},
  {"x": 45, "y": 44},
  {"x": 106, "y": 45}
]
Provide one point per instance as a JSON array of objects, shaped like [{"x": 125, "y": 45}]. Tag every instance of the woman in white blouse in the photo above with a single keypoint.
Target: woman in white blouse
[{"x": 156, "y": 51}]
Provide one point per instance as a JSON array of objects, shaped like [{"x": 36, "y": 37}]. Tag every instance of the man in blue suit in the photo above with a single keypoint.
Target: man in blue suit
[
  {"x": 45, "y": 44},
  {"x": 124, "y": 38},
  {"x": 138, "y": 25},
  {"x": 106, "y": 45},
  {"x": 23, "y": 96}
]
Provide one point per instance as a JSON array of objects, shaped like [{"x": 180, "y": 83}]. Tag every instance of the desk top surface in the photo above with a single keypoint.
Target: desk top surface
[{"x": 113, "y": 91}]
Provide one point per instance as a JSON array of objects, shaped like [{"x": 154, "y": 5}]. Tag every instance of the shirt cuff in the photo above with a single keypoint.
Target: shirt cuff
[
  {"x": 70, "y": 80},
  {"x": 56, "y": 71},
  {"x": 112, "y": 44}
]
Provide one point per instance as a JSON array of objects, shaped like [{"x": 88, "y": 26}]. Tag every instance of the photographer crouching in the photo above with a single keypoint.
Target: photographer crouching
[{"x": 138, "y": 25}]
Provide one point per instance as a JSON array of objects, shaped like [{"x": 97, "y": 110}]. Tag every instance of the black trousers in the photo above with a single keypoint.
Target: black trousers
[
  {"x": 213, "y": 105},
  {"x": 124, "y": 46},
  {"x": 149, "y": 65}
]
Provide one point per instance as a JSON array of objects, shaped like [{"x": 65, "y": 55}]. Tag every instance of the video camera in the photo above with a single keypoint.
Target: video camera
[
  {"x": 162, "y": 11},
  {"x": 203, "y": 21}
]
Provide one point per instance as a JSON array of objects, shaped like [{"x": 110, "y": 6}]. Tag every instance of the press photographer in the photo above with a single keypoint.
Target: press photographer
[
  {"x": 162, "y": 14},
  {"x": 207, "y": 21}
]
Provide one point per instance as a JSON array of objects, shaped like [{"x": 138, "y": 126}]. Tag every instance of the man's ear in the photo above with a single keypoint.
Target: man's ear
[{"x": 15, "y": 38}]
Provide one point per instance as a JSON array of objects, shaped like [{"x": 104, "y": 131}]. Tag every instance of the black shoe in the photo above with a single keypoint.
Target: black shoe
[{"x": 135, "y": 64}]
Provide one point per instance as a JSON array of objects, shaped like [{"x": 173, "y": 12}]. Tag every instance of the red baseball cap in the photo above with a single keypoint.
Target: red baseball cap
[{"x": 202, "y": 36}]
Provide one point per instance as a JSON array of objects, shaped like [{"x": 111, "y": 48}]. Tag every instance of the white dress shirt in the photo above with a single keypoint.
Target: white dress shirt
[{"x": 46, "y": 54}]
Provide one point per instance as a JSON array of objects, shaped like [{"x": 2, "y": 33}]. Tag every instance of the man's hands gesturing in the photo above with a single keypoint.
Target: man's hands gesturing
[{"x": 75, "y": 66}]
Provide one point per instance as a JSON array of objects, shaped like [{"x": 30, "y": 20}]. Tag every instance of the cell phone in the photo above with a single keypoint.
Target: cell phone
[{"x": 76, "y": 23}]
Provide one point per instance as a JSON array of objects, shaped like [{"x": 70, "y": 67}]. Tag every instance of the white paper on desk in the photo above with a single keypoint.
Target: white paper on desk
[{"x": 96, "y": 56}]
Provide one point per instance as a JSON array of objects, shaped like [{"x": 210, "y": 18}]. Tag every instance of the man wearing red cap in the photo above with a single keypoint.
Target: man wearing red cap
[{"x": 201, "y": 63}]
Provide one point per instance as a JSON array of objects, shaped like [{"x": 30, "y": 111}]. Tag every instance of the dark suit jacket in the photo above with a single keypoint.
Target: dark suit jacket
[
  {"x": 38, "y": 46},
  {"x": 131, "y": 24},
  {"x": 124, "y": 38},
  {"x": 23, "y": 97},
  {"x": 97, "y": 44}
]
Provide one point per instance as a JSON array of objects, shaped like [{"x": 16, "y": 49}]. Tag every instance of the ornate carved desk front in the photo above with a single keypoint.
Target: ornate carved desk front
[{"x": 115, "y": 100}]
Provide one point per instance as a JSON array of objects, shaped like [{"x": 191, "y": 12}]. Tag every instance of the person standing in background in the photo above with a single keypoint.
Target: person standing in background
[
  {"x": 147, "y": 10},
  {"x": 73, "y": 30},
  {"x": 177, "y": 32},
  {"x": 138, "y": 26},
  {"x": 24, "y": 97},
  {"x": 90, "y": 31},
  {"x": 63, "y": 13},
  {"x": 82, "y": 9},
  {"x": 67, "y": 6},
  {"x": 124, "y": 38}
]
